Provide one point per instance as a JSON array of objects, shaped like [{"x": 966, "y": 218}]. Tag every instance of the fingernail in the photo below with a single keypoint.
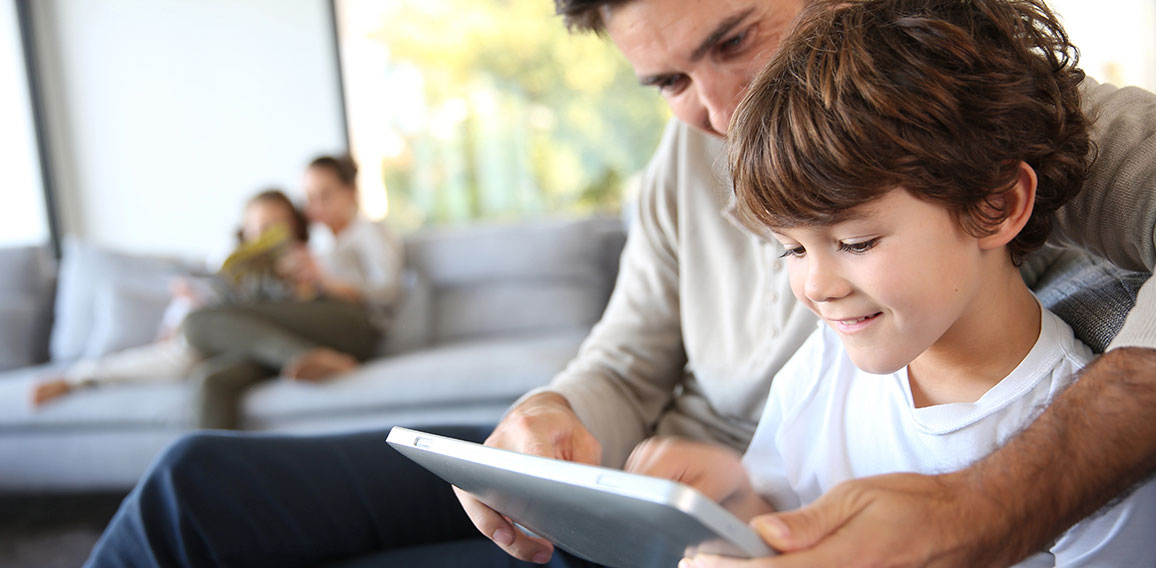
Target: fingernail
[
  {"x": 541, "y": 558},
  {"x": 774, "y": 527},
  {"x": 504, "y": 537},
  {"x": 687, "y": 563}
]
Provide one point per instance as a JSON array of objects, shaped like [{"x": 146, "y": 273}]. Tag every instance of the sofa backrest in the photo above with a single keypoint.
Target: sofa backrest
[
  {"x": 108, "y": 300},
  {"x": 27, "y": 281},
  {"x": 1091, "y": 294},
  {"x": 488, "y": 281}
]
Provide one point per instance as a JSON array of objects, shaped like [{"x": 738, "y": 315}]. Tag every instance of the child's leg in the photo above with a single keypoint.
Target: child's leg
[
  {"x": 164, "y": 360},
  {"x": 167, "y": 360}
]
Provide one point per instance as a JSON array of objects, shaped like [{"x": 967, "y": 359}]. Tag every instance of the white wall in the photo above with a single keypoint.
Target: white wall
[
  {"x": 22, "y": 216},
  {"x": 1117, "y": 38},
  {"x": 167, "y": 114}
]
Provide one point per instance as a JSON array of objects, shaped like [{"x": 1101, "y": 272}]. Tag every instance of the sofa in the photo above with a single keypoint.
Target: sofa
[{"x": 488, "y": 313}]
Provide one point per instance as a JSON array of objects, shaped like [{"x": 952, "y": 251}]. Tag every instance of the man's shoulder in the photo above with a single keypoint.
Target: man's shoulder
[{"x": 686, "y": 152}]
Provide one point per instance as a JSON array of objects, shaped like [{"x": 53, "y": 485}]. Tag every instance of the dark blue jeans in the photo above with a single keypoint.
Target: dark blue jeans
[{"x": 233, "y": 499}]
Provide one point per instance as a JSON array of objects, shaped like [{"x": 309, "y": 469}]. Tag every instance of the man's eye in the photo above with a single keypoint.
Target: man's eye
[
  {"x": 732, "y": 44},
  {"x": 858, "y": 248},
  {"x": 795, "y": 251},
  {"x": 670, "y": 84}
]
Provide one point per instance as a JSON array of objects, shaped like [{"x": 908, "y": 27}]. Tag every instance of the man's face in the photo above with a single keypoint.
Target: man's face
[
  {"x": 893, "y": 281},
  {"x": 700, "y": 54}
]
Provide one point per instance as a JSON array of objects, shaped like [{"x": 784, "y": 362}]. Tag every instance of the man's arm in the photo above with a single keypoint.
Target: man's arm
[
  {"x": 1114, "y": 215},
  {"x": 609, "y": 398},
  {"x": 626, "y": 371}
]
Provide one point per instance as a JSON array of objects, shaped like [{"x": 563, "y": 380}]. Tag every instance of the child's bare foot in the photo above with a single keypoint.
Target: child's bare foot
[
  {"x": 319, "y": 364},
  {"x": 49, "y": 389}
]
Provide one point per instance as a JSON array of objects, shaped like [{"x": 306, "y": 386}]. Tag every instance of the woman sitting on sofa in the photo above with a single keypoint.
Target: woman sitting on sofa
[{"x": 357, "y": 278}]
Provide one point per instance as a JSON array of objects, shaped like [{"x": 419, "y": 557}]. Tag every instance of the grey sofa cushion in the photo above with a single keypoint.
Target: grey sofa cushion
[
  {"x": 125, "y": 316},
  {"x": 489, "y": 371},
  {"x": 161, "y": 404},
  {"x": 27, "y": 281},
  {"x": 18, "y": 347},
  {"x": 1091, "y": 294},
  {"x": 86, "y": 269},
  {"x": 411, "y": 326},
  {"x": 510, "y": 280}
]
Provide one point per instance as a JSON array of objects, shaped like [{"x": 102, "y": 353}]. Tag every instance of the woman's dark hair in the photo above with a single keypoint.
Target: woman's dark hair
[
  {"x": 274, "y": 196},
  {"x": 944, "y": 98},
  {"x": 342, "y": 166}
]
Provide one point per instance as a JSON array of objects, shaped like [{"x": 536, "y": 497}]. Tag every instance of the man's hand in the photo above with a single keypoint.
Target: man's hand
[
  {"x": 889, "y": 520},
  {"x": 715, "y": 471},
  {"x": 543, "y": 425}
]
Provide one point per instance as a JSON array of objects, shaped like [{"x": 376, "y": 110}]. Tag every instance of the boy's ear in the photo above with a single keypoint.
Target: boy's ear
[{"x": 1016, "y": 205}]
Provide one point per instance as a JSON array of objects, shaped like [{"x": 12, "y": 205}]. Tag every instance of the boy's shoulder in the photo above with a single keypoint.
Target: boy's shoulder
[{"x": 1059, "y": 342}]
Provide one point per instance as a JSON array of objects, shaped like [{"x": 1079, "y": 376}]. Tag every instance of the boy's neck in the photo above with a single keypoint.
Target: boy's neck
[{"x": 982, "y": 348}]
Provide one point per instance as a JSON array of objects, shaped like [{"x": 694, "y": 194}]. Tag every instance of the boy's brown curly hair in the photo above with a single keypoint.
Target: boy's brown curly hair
[{"x": 943, "y": 98}]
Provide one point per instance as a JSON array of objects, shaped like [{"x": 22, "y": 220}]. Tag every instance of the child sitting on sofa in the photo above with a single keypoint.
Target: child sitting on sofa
[
  {"x": 272, "y": 227},
  {"x": 907, "y": 155}
]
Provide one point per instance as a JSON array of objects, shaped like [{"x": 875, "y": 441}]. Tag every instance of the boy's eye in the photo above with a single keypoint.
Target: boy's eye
[
  {"x": 793, "y": 251},
  {"x": 858, "y": 248}
]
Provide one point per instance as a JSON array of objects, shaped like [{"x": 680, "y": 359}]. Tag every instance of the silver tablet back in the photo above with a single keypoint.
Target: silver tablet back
[{"x": 603, "y": 515}]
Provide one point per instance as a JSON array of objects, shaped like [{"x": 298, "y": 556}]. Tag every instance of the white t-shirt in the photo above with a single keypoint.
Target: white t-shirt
[{"x": 826, "y": 422}]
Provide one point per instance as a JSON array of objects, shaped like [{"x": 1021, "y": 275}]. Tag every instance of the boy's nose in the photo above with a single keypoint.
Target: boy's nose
[{"x": 824, "y": 284}]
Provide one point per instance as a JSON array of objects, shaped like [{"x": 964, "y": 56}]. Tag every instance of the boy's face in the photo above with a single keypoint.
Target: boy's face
[{"x": 891, "y": 281}]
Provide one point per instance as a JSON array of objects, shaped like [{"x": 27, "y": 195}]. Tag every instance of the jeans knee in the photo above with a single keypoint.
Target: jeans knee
[{"x": 191, "y": 451}]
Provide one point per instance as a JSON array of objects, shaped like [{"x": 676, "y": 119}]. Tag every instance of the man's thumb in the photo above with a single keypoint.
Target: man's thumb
[{"x": 799, "y": 529}]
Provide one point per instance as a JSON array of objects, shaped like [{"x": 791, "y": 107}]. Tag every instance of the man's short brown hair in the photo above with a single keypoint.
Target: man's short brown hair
[
  {"x": 943, "y": 98},
  {"x": 584, "y": 16}
]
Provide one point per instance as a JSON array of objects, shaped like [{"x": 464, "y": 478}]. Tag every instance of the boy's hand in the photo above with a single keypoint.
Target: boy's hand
[
  {"x": 715, "y": 471},
  {"x": 542, "y": 425}
]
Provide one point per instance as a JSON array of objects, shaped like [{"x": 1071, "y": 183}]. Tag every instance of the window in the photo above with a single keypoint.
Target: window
[
  {"x": 1117, "y": 39},
  {"x": 462, "y": 110},
  {"x": 23, "y": 217}
]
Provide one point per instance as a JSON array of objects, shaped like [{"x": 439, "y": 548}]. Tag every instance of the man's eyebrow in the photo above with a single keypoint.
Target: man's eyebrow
[
  {"x": 720, "y": 31},
  {"x": 718, "y": 34}
]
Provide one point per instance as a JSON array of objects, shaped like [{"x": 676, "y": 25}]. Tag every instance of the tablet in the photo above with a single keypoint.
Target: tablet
[{"x": 603, "y": 515}]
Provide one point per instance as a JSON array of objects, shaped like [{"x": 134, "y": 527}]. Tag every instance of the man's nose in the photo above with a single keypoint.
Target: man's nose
[{"x": 719, "y": 98}]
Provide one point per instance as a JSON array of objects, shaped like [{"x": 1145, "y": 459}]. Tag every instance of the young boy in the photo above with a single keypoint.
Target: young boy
[{"x": 907, "y": 154}]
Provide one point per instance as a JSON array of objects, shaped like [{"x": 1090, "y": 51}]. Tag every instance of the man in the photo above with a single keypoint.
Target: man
[{"x": 684, "y": 349}]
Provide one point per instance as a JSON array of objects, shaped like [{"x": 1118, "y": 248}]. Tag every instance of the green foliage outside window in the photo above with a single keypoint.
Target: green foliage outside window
[{"x": 521, "y": 119}]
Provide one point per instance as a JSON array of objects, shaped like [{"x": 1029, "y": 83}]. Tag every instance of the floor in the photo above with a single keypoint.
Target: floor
[{"x": 52, "y": 531}]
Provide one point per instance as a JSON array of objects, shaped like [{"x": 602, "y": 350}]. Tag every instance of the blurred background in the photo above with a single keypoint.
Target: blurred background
[{"x": 143, "y": 125}]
